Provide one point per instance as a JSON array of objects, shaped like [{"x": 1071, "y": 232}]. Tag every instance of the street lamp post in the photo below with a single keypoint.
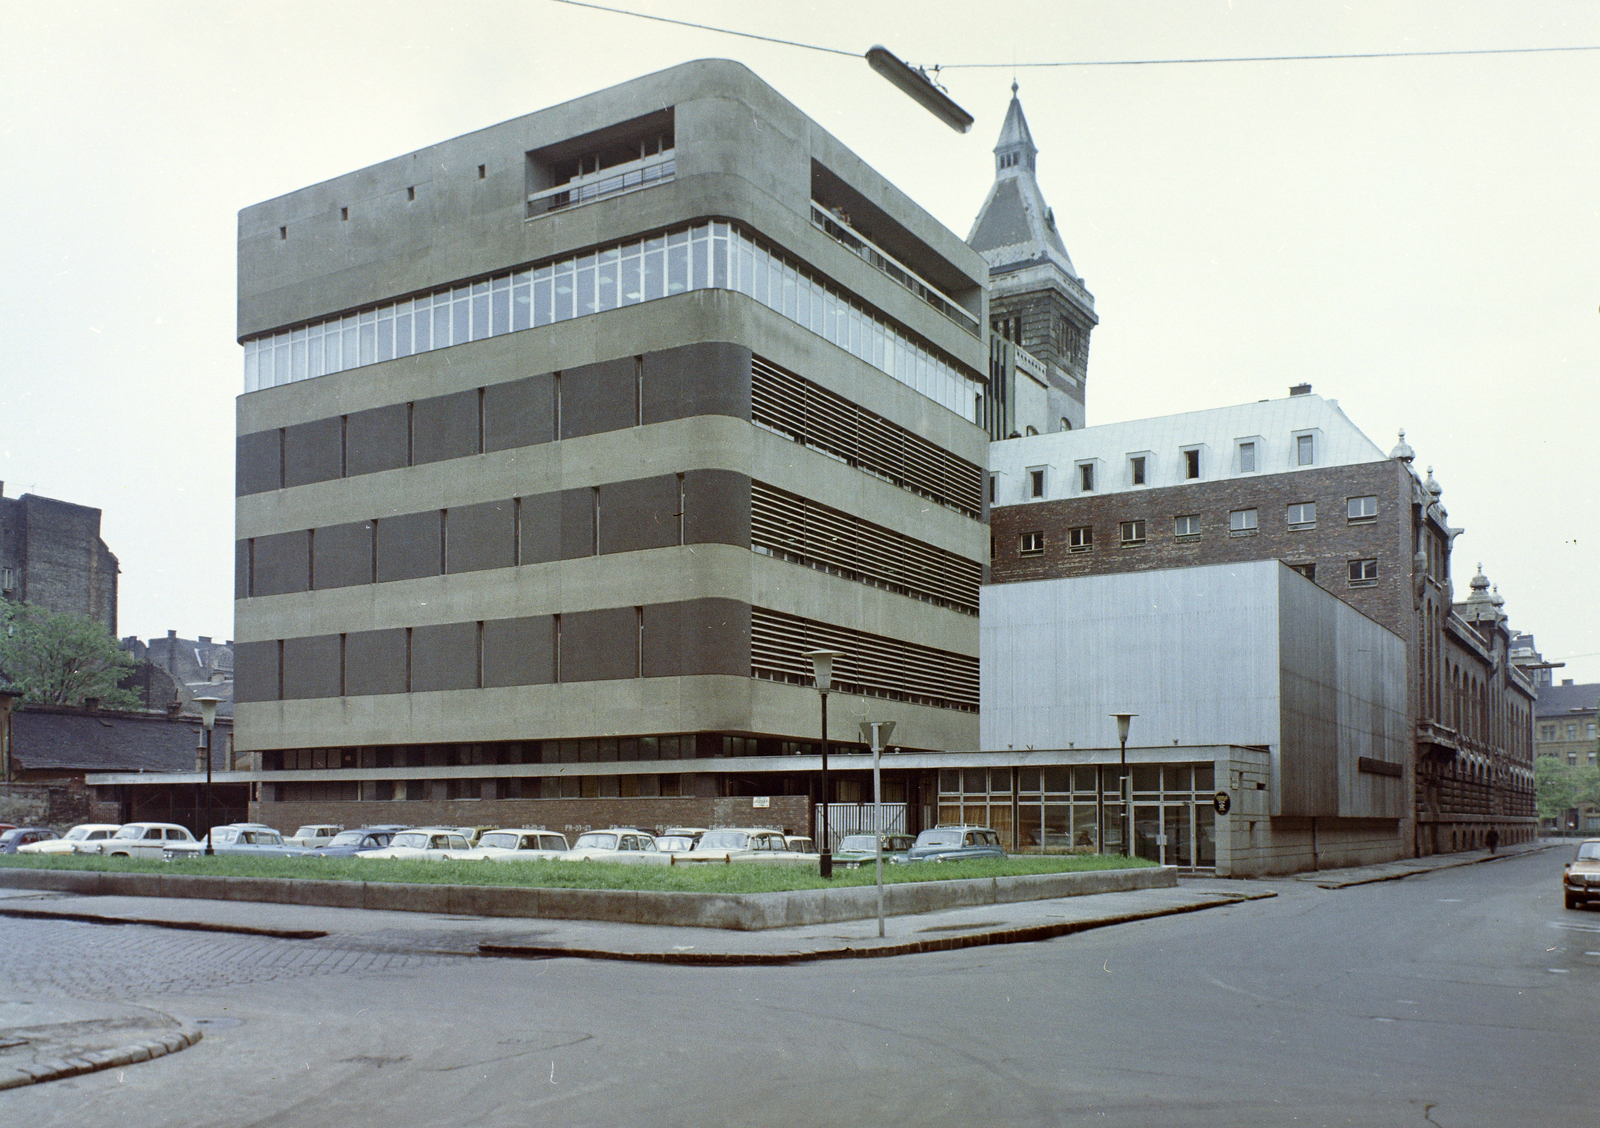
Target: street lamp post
[
  {"x": 877, "y": 734},
  {"x": 822, "y": 671},
  {"x": 208, "y": 720},
  {"x": 8, "y": 700},
  {"x": 1122, "y": 720}
]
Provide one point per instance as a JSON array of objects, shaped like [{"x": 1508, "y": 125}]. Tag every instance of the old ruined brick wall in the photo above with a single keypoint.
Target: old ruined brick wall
[
  {"x": 53, "y": 805},
  {"x": 569, "y": 816},
  {"x": 60, "y": 560},
  {"x": 1330, "y": 546}
]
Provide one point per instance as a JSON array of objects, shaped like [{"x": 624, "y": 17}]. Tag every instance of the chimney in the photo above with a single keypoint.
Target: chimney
[
  {"x": 172, "y": 634},
  {"x": 174, "y": 710},
  {"x": 1566, "y": 681},
  {"x": 206, "y": 639},
  {"x": 1300, "y": 390}
]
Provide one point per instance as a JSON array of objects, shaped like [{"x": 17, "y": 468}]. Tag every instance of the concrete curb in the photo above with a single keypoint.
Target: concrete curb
[
  {"x": 1024, "y": 935},
  {"x": 741, "y": 912},
  {"x": 1373, "y": 880},
  {"x": 187, "y": 925},
  {"x": 15, "y": 1076}
]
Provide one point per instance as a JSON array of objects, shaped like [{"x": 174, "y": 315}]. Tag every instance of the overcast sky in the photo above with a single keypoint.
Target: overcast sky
[{"x": 1417, "y": 238}]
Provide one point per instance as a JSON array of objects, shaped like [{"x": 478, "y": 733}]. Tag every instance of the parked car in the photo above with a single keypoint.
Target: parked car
[
  {"x": 800, "y": 843},
  {"x": 144, "y": 840},
  {"x": 857, "y": 848},
  {"x": 742, "y": 844},
  {"x": 524, "y": 844},
  {"x": 429, "y": 843},
  {"x": 954, "y": 843},
  {"x": 24, "y": 836},
  {"x": 619, "y": 844},
  {"x": 85, "y": 838},
  {"x": 1580, "y": 878},
  {"x": 251, "y": 840},
  {"x": 674, "y": 843},
  {"x": 691, "y": 832},
  {"x": 348, "y": 842},
  {"x": 318, "y": 834}
]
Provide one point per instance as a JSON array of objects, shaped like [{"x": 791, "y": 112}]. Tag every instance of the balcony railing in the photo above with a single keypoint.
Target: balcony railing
[
  {"x": 852, "y": 240},
  {"x": 613, "y": 181}
]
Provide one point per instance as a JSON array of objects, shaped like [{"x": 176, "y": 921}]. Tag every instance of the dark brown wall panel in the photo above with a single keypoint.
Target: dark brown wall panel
[
  {"x": 445, "y": 427},
  {"x": 519, "y": 651},
  {"x": 577, "y": 523},
  {"x": 480, "y": 536},
  {"x": 241, "y": 569},
  {"x": 541, "y": 528},
  {"x": 283, "y": 563},
  {"x": 697, "y": 636},
  {"x": 255, "y": 671},
  {"x": 342, "y": 555},
  {"x": 377, "y": 439},
  {"x": 444, "y": 657},
  {"x": 311, "y": 667},
  {"x": 375, "y": 662},
  {"x": 258, "y": 463},
  {"x": 599, "y": 397},
  {"x": 519, "y": 413},
  {"x": 639, "y": 514},
  {"x": 716, "y": 508},
  {"x": 600, "y": 645},
  {"x": 408, "y": 546},
  {"x": 313, "y": 452},
  {"x": 704, "y": 379}
]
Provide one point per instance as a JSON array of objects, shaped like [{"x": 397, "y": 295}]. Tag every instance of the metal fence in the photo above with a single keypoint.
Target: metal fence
[{"x": 861, "y": 818}]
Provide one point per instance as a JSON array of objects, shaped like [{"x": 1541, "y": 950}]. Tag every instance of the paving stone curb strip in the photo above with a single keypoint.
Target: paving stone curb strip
[
  {"x": 865, "y": 951},
  {"x": 744, "y": 912},
  {"x": 31, "y": 1073},
  {"x": 1396, "y": 871}
]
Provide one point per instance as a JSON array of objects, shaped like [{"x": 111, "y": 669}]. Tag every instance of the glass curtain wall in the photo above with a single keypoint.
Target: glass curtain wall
[{"x": 705, "y": 256}]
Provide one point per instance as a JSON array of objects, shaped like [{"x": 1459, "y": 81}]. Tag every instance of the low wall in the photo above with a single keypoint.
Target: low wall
[{"x": 746, "y": 912}]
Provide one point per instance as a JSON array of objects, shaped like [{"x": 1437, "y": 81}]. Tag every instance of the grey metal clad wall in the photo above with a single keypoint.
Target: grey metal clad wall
[
  {"x": 374, "y": 662},
  {"x": 313, "y": 452},
  {"x": 258, "y": 462},
  {"x": 410, "y": 546},
  {"x": 640, "y": 514},
  {"x": 255, "y": 671},
  {"x": 377, "y": 439},
  {"x": 705, "y": 379},
  {"x": 311, "y": 667},
  {"x": 716, "y": 507},
  {"x": 445, "y": 427},
  {"x": 702, "y": 636},
  {"x": 341, "y": 555},
  {"x": 1307, "y": 780},
  {"x": 444, "y": 657},
  {"x": 481, "y": 536},
  {"x": 600, "y": 645},
  {"x": 519, "y": 413},
  {"x": 519, "y": 651},
  {"x": 282, "y": 563},
  {"x": 599, "y": 397}
]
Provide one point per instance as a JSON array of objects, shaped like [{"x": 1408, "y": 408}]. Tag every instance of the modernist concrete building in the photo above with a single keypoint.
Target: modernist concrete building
[
  {"x": 1291, "y": 480},
  {"x": 563, "y": 441},
  {"x": 51, "y": 554},
  {"x": 1271, "y": 730}
]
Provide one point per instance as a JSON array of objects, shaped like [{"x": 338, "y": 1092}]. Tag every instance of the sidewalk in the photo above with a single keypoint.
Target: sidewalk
[{"x": 1409, "y": 867}]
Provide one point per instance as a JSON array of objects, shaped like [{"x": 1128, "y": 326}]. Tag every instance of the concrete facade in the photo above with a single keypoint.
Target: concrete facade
[
  {"x": 590, "y": 540},
  {"x": 51, "y": 555}
]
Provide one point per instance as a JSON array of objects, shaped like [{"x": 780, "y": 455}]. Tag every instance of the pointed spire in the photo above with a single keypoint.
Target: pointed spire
[{"x": 1015, "y": 149}]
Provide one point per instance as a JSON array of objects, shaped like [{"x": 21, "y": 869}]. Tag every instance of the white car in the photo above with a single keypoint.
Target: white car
[
  {"x": 521, "y": 845},
  {"x": 144, "y": 840},
  {"x": 85, "y": 838},
  {"x": 619, "y": 844},
  {"x": 318, "y": 834},
  {"x": 247, "y": 839},
  {"x": 431, "y": 844},
  {"x": 743, "y": 844}
]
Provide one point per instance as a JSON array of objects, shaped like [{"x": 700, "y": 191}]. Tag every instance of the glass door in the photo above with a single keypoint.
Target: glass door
[
  {"x": 1147, "y": 831},
  {"x": 1176, "y": 848}
]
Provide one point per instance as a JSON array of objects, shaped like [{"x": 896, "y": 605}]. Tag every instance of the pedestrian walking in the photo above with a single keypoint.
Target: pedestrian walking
[{"x": 1492, "y": 839}]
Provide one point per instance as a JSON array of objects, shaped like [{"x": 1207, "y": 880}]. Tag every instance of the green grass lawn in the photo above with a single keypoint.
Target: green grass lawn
[{"x": 736, "y": 878}]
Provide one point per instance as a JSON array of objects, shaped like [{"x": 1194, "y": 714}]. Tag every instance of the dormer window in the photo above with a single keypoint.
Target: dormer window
[
  {"x": 1247, "y": 458},
  {"x": 1191, "y": 464}
]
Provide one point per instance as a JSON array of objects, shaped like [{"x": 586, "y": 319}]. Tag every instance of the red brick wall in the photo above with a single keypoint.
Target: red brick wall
[{"x": 1330, "y": 546}]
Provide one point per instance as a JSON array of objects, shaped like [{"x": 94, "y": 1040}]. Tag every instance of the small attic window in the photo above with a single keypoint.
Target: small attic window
[{"x": 283, "y": 233}]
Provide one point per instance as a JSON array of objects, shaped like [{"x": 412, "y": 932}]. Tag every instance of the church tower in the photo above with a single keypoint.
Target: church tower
[{"x": 1036, "y": 299}]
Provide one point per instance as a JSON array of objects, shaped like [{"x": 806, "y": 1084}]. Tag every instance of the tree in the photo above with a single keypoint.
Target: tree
[
  {"x": 61, "y": 659},
  {"x": 1560, "y": 787}
]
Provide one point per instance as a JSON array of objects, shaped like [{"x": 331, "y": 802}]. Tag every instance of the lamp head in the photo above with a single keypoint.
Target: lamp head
[
  {"x": 1122, "y": 720},
  {"x": 822, "y": 667},
  {"x": 208, "y": 709}
]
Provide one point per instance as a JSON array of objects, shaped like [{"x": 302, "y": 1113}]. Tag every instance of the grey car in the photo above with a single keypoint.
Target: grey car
[
  {"x": 246, "y": 839},
  {"x": 954, "y": 843}
]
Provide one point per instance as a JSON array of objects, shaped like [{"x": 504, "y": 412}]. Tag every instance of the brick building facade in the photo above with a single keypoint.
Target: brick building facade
[{"x": 1294, "y": 480}]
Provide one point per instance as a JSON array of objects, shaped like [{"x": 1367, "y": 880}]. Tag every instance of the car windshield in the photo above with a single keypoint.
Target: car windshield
[
  {"x": 596, "y": 842},
  {"x": 310, "y": 832},
  {"x": 498, "y": 841},
  {"x": 552, "y": 842},
  {"x": 130, "y": 832},
  {"x": 857, "y": 842},
  {"x": 77, "y": 834},
  {"x": 1589, "y": 851},
  {"x": 347, "y": 838},
  {"x": 725, "y": 840},
  {"x": 418, "y": 841},
  {"x": 939, "y": 838}
]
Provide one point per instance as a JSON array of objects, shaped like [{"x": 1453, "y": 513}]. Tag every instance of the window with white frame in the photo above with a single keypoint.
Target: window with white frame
[
  {"x": 1036, "y": 481},
  {"x": 1031, "y": 543},
  {"x": 1191, "y": 463},
  {"x": 1247, "y": 457},
  {"x": 1361, "y": 509},
  {"x": 1305, "y": 450},
  {"x": 1303, "y": 515},
  {"x": 1309, "y": 571},
  {"x": 1187, "y": 525},
  {"x": 1132, "y": 533},
  {"x": 1241, "y": 521},
  {"x": 1086, "y": 477},
  {"x": 1363, "y": 573},
  {"x": 1080, "y": 538},
  {"x": 1136, "y": 469}
]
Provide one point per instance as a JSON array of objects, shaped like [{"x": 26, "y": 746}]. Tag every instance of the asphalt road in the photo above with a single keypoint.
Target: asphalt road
[{"x": 1464, "y": 997}]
